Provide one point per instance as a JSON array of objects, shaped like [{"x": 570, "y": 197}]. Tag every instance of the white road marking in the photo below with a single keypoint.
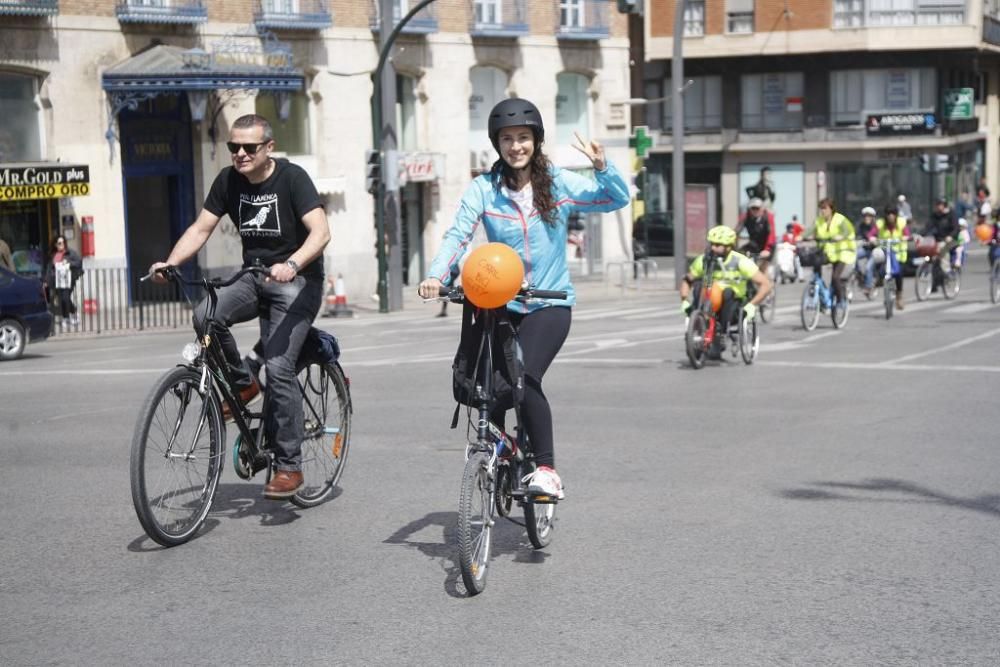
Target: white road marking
[
  {"x": 858, "y": 366},
  {"x": 967, "y": 308},
  {"x": 943, "y": 348}
]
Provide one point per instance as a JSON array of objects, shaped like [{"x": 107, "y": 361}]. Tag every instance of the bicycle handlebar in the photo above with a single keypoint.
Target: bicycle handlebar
[
  {"x": 457, "y": 294},
  {"x": 172, "y": 273}
]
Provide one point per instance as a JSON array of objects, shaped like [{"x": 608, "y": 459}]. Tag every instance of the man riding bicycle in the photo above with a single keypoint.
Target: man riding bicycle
[
  {"x": 733, "y": 271},
  {"x": 892, "y": 226},
  {"x": 283, "y": 227},
  {"x": 943, "y": 227},
  {"x": 759, "y": 225}
]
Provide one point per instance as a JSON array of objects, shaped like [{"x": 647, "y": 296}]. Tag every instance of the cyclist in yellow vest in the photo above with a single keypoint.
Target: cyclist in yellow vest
[
  {"x": 733, "y": 271},
  {"x": 835, "y": 234},
  {"x": 892, "y": 226}
]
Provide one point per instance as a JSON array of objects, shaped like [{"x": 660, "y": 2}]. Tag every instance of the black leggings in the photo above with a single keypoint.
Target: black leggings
[
  {"x": 542, "y": 334},
  {"x": 836, "y": 278}
]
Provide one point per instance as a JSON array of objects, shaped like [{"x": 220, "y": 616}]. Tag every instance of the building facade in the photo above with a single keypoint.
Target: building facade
[
  {"x": 858, "y": 100},
  {"x": 118, "y": 112}
]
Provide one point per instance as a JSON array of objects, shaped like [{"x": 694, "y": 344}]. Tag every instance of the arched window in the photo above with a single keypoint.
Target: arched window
[
  {"x": 489, "y": 86},
  {"x": 571, "y": 107},
  {"x": 291, "y": 136},
  {"x": 20, "y": 133}
]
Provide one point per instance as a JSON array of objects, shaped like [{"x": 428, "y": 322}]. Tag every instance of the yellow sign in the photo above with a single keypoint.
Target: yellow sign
[{"x": 43, "y": 191}]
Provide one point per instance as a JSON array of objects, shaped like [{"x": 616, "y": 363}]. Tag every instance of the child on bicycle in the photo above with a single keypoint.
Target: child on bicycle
[
  {"x": 733, "y": 271},
  {"x": 525, "y": 202}
]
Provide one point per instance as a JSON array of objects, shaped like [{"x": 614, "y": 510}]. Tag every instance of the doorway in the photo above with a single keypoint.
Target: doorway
[{"x": 412, "y": 226}]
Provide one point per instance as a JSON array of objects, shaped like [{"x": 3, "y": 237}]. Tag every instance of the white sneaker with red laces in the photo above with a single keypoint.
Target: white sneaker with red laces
[{"x": 545, "y": 482}]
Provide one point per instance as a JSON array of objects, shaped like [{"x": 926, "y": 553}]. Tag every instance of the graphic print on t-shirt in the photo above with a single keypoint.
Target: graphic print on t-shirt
[{"x": 259, "y": 215}]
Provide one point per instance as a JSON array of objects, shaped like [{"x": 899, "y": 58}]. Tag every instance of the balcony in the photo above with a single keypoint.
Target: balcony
[
  {"x": 991, "y": 30},
  {"x": 583, "y": 19},
  {"x": 292, "y": 15},
  {"x": 161, "y": 11},
  {"x": 425, "y": 22},
  {"x": 499, "y": 18},
  {"x": 29, "y": 7}
]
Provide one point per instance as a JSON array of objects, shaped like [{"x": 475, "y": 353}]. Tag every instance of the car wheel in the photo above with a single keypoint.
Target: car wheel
[{"x": 12, "y": 339}]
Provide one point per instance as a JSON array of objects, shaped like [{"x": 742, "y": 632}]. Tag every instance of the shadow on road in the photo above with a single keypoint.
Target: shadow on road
[
  {"x": 508, "y": 538},
  {"x": 869, "y": 490}
]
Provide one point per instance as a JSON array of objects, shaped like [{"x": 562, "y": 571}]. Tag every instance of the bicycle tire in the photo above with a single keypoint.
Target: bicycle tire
[
  {"x": 475, "y": 523},
  {"x": 841, "y": 308},
  {"x": 749, "y": 338},
  {"x": 694, "y": 338},
  {"x": 539, "y": 519},
  {"x": 767, "y": 307},
  {"x": 889, "y": 298},
  {"x": 809, "y": 310},
  {"x": 923, "y": 282},
  {"x": 952, "y": 283},
  {"x": 326, "y": 403},
  {"x": 995, "y": 282},
  {"x": 162, "y": 423}
]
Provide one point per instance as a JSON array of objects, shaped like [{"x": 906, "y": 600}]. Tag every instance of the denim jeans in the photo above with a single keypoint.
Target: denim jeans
[{"x": 286, "y": 312}]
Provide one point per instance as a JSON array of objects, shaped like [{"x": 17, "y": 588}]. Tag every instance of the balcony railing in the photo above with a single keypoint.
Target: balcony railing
[
  {"x": 292, "y": 15},
  {"x": 29, "y": 7},
  {"x": 498, "y": 18},
  {"x": 582, "y": 19},
  {"x": 991, "y": 30},
  {"x": 161, "y": 11},
  {"x": 425, "y": 22}
]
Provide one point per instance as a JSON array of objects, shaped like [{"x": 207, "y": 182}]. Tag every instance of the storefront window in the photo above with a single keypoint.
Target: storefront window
[
  {"x": 20, "y": 135},
  {"x": 571, "y": 107},
  {"x": 290, "y": 136},
  {"x": 854, "y": 185}
]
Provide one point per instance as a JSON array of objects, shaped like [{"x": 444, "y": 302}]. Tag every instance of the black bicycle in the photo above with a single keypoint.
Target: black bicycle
[
  {"x": 496, "y": 464},
  {"x": 178, "y": 448}
]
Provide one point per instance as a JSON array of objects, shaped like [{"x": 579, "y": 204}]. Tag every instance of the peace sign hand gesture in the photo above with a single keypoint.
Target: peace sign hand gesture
[{"x": 593, "y": 150}]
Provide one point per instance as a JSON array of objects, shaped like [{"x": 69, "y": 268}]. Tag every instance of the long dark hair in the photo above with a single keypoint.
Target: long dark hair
[{"x": 541, "y": 181}]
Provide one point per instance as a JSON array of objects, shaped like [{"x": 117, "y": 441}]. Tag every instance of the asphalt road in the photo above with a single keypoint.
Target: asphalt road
[{"x": 836, "y": 503}]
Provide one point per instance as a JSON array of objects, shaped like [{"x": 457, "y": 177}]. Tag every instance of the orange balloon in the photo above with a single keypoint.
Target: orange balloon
[
  {"x": 716, "y": 297},
  {"x": 984, "y": 232},
  {"x": 492, "y": 275}
]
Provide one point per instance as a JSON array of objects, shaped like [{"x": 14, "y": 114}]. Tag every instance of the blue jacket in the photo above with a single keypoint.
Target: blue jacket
[{"x": 542, "y": 246}]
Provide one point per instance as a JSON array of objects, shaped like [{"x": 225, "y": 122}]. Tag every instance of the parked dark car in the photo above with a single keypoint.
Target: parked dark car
[
  {"x": 653, "y": 235},
  {"x": 24, "y": 313}
]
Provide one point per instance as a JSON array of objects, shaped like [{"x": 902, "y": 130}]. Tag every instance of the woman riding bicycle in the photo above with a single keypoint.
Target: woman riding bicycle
[
  {"x": 524, "y": 202},
  {"x": 836, "y": 236},
  {"x": 892, "y": 226}
]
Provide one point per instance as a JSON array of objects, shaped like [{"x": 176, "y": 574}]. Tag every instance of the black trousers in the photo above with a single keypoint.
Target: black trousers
[{"x": 542, "y": 334}]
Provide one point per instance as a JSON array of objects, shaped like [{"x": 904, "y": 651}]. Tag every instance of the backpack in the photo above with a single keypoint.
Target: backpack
[{"x": 507, "y": 363}]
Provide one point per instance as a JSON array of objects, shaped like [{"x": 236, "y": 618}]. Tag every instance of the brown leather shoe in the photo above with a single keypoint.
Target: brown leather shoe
[
  {"x": 246, "y": 395},
  {"x": 284, "y": 484}
]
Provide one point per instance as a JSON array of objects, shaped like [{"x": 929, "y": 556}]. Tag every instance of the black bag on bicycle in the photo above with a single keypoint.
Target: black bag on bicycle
[
  {"x": 507, "y": 362},
  {"x": 319, "y": 347}
]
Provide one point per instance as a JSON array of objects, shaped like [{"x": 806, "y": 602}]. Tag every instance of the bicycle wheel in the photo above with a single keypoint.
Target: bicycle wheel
[
  {"x": 889, "y": 298},
  {"x": 694, "y": 338},
  {"x": 766, "y": 309},
  {"x": 952, "y": 283},
  {"x": 326, "y": 403},
  {"x": 749, "y": 338},
  {"x": 475, "y": 522},
  {"x": 177, "y": 457},
  {"x": 839, "y": 312},
  {"x": 995, "y": 282},
  {"x": 810, "y": 307},
  {"x": 924, "y": 281},
  {"x": 539, "y": 519}
]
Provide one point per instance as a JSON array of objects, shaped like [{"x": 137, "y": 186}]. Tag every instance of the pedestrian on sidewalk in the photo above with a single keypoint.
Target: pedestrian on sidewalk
[{"x": 63, "y": 270}]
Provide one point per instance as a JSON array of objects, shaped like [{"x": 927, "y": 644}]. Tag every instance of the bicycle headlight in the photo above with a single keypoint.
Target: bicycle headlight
[{"x": 191, "y": 352}]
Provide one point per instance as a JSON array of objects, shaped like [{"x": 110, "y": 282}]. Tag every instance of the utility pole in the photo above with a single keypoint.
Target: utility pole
[
  {"x": 387, "y": 232},
  {"x": 677, "y": 165}
]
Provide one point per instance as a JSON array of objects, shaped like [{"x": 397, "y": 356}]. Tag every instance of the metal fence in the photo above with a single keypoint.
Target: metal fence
[{"x": 114, "y": 300}]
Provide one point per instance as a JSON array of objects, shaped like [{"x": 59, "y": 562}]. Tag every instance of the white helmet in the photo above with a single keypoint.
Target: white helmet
[
  {"x": 868, "y": 210},
  {"x": 962, "y": 222}
]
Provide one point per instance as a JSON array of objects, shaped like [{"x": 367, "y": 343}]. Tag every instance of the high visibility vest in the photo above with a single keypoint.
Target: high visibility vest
[
  {"x": 841, "y": 251},
  {"x": 895, "y": 233},
  {"x": 736, "y": 270}
]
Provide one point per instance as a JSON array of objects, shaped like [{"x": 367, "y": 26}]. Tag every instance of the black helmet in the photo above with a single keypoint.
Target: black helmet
[
  {"x": 513, "y": 112},
  {"x": 891, "y": 208}
]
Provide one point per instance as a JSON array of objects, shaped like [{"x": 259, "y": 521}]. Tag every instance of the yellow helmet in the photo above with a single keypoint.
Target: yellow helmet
[{"x": 722, "y": 235}]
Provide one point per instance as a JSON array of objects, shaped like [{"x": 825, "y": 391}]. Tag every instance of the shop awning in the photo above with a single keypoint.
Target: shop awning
[{"x": 43, "y": 180}]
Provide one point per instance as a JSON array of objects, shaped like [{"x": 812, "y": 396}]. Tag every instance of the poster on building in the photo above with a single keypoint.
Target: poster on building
[
  {"x": 55, "y": 181},
  {"x": 897, "y": 90},
  {"x": 957, "y": 103},
  {"x": 774, "y": 94}
]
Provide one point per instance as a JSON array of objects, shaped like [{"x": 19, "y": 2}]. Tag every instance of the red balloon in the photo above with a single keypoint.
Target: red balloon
[{"x": 492, "y": 275}]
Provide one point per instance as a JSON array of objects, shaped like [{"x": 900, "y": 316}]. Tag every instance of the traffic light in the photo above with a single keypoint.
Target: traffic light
[
  {"x": 373, "y": 171},
  {"x": 630, "y": 6},
  {"x": 926, "y": 163},
  {"x": 639, "y": 181},
  {"x": 941, "y": 162}
]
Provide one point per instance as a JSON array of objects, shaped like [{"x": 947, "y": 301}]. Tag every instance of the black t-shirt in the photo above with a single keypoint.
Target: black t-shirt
[{"x": 268, "y": 215}]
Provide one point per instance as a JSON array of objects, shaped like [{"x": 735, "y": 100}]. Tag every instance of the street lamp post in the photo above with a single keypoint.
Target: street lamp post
[{"x": 677, "y": 164}]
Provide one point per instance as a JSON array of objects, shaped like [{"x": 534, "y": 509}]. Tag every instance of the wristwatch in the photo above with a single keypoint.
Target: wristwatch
[{"x": 292, "y": 263}]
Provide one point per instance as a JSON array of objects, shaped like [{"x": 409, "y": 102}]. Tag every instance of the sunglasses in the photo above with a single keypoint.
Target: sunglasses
[{"x": 249, "y": 149}]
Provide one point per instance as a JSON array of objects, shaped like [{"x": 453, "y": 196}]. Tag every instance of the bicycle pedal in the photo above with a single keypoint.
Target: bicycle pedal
[{"x": 541, "y": 499}]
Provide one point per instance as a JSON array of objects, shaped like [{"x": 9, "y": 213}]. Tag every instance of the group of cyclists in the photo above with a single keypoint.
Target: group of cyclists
[{"x": 866, "y": 247}]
